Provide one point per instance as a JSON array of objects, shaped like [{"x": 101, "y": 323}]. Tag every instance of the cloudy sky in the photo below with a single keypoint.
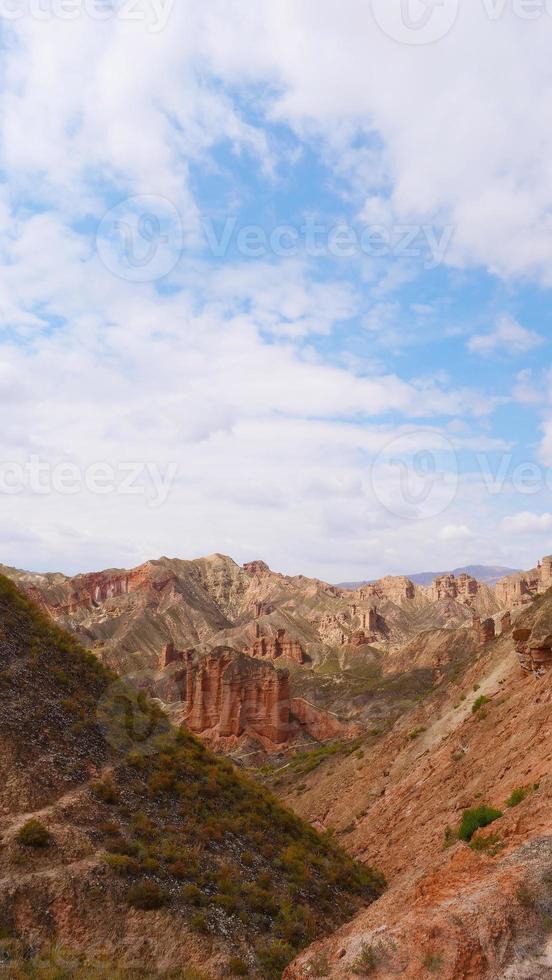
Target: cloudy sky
[{"x": 276, "y": 283}]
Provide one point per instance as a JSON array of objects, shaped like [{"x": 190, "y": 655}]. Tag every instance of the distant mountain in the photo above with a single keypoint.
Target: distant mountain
[{"x": 489, "y": 574}]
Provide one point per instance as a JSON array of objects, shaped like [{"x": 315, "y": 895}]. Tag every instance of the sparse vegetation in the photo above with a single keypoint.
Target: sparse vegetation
[
  {"x": 479, "y": 704},
  {"x": 367, "y": 961},
  {"x": 181, "y": 828},
  {"x": 518, "y": 796},
  {"x": 433, "y": 962},
  {"x": 476, "y": 818},
  {"x": 146, "y": 896},
  {"x": 416, "y": 734},
  {"x": 491, "y": 844},
  {"x": 34, "y": 834}
]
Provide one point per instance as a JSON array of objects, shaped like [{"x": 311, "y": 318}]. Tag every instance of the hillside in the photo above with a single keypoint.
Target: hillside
[
  {"x": 128, "y": 842},
  {"x": 246, "y": 655},
  {"x": 453, "y": 909}
]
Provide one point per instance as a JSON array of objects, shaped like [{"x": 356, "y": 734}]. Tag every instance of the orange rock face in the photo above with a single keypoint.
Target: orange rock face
[
  {"x": 521, "y": 589},
  {"x": 274, "y": 647},
  {"x": 322, "y": 725},
  {"x": 230, "y": 695},
  {"x": 463, "y": 589},
  {"x": 486, "y": 630},
  {"x": 394, "y": 588}
]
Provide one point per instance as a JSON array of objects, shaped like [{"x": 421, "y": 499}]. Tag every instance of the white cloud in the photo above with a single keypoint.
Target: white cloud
[
  {"x": 455, "y": 532},
  {"x": 508, "y": 337},
  {"x": 527, "y": 523}
]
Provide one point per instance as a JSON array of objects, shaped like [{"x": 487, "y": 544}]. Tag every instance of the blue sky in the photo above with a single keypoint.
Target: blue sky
[{"x": 373, "y": 400}]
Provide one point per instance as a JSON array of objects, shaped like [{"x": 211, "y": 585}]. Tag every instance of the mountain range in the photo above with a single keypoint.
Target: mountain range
[{"x": 402, "y": 727}]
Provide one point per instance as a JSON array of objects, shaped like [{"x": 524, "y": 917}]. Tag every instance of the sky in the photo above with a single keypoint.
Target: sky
[{"x": 275, "y": 282}]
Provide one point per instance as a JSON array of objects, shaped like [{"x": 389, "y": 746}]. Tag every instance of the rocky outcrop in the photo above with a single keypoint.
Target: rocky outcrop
[
  {"x": 256, "y": 568},
  {"x": 464, "y": 589},
  {"x": 520, "y": 589},
  {"x": 228, "y": 695},
  {"x": 394, "y": 588},
  {"x": 485, "y": 629},
  {"x": 279, "y": 645},
  {"x": 322, "y": 725},
  {"x": 533, "y": 643}
]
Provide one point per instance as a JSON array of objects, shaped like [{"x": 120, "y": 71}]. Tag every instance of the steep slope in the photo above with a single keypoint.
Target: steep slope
[
  {"x": 459, "y": 911},
  {"x": 125, "y": 838}
]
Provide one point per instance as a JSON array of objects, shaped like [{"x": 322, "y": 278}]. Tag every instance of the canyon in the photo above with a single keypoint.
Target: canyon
[
  {"x": 379, "y": 715},
  {"x": 267, "y": 658}
]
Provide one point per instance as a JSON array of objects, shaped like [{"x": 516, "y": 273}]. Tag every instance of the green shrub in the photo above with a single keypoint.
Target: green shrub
[
  {"x": 198, "y": 923},
  {"x": 274, "y": 958},
  {"x": 192, "y": 895},
  {"x": 518, "y": 796},
  {"x": 105, "y": 791},
  {"x": 146, "y": 896},
  {"x": 237, "y": 967},
  {"x": 367, "y": 961},
  {"x": 474, "y": 819},
  {"x": 479, "y": 703},
  {"x": 123, "y": 864},
  {"x": 491, "y": 844},
  {"x": 34, "y": 834},
  {"x": 416, "y": 734}
]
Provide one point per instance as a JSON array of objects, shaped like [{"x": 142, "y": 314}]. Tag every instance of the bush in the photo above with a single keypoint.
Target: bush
[
  {"x": 105, "y": 791},
  {"x": 34, "y": 834},
  {"x": 198, "y": 923},
  {"x": 367, "y": 961},
  {"x": 237, "y": 967},
  {"x": 274, "y": 959},
  {"x": 518, "y": 796},
  {"x": 146, "y": 896},
  {"x": 474, "y": 819},
  {"x": 479, "y": 703}
]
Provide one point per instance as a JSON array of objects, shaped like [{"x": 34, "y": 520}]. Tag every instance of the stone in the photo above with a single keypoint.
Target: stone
[
  {"x": 274, "y": 647},
  {"x": 486, "y": 630},
  {"x": 229, "y": 695},
  {"x": 322, "y": 725}
]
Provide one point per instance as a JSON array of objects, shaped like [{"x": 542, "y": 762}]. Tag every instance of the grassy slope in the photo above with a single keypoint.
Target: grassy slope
[{"x": 157, "y": 828}]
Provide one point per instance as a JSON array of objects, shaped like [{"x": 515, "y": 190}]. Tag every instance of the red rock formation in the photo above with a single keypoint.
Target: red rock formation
[
  {"x": 464, "y": 589},
  {"x": 256, "y": 568},
  {"x": 322, "y": 725},
  {"x": 534, "y": 644},
  {"x": 486, "y": 630},
  {"x": 505, "y": 622},
  {"x": 359, "y": 639},
  {"x": 395, "y": 588},
  {"x": 171, "y": 655},
  {"x": 229, "y": 694},
  {"x": 274, "y": 647}
]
